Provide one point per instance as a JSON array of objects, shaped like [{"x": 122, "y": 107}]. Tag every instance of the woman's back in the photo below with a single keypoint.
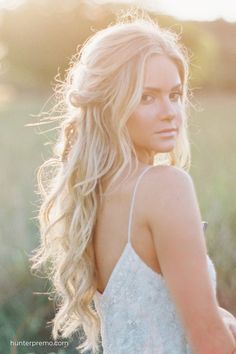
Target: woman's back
[
  {"x": 111, "y": 231},
  {"x": 137, "y": 311}
]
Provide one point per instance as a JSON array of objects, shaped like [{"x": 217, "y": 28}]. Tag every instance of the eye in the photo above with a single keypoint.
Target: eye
[
  {"x": 147, "y": 98},
  {"x": 176, "y": 96}
]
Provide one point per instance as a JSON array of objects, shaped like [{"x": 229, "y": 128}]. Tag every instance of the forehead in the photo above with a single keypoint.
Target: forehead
[{"x": 161, "y": 72}]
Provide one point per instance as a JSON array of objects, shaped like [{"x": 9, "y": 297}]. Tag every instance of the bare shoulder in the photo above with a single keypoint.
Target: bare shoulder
[
  {"x": 170, "y": 199},
  {"x": 167, "y": 183},
  {"x": 171, "y": 202},
  {"x": 167, "y": 175}
]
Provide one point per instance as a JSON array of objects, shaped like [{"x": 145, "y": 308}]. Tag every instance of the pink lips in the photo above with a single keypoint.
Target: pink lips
[{"x": 168, "y": 130}]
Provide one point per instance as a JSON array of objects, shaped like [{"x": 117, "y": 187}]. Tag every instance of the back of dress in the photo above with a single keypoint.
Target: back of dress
[{"x": 137, "y": 313}]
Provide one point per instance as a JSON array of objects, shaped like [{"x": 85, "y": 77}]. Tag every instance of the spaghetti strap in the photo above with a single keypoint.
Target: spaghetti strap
[{"x": 133, "y": 199}]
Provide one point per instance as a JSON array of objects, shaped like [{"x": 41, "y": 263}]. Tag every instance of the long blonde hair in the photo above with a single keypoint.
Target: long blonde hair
[{"x": 103, "y": 87}]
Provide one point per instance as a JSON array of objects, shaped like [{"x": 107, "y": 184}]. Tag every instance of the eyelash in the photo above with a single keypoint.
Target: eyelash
[
  {"x": 179, "y": 93},
  {"x": 146, "y": 95}
]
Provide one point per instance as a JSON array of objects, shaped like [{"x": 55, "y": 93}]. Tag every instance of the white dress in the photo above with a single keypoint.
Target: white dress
[{"x": 137, "y": 313}]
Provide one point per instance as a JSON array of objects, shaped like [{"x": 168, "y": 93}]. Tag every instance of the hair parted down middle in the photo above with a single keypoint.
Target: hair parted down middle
[{"x": 102, "y": 89}]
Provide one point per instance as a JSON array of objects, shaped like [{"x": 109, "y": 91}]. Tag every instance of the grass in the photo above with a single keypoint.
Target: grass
[
  {"x": 214, "y": 171},
  {"x": 212, "y": 134}
]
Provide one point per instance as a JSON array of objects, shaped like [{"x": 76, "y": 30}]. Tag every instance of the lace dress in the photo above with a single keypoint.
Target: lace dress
[{"x": 137, "y": 313}]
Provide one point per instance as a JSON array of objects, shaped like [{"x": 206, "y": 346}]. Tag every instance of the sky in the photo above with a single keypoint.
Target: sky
[{"x": 200, "y": 10}]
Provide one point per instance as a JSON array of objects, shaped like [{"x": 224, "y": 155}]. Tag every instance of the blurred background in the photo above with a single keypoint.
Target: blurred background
[{"x": 37, "y": 40}]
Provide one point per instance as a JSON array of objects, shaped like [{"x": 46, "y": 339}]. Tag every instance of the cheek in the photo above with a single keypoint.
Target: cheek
[
  {"x": 144, "y": 116},
  {"x": 180, "y": 119},
  {"x": 178, "y": 111},
  {"x": 137, "y": 126}
]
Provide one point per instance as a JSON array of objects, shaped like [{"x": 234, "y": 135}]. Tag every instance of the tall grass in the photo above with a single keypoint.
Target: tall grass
[{"x": 214, "y": 172}]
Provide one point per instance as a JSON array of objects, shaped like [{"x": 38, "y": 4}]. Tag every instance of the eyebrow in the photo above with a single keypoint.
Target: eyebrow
[{"x": 156, "y": 89}]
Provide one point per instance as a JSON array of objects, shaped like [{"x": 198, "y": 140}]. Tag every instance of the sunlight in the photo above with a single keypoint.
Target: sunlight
[
  {"x": 10, "y": 4},
  {"x": 200, "y": 10}
]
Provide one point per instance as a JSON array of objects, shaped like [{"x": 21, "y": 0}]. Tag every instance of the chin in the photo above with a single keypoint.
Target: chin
[{"x": 164, "y": 149}]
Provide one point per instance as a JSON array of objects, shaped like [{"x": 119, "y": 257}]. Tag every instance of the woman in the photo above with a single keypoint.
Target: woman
[{"x": 120, "y": 223}]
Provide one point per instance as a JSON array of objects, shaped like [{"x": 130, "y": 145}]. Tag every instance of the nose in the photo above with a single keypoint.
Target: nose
[{"x": 167, "y": 110}]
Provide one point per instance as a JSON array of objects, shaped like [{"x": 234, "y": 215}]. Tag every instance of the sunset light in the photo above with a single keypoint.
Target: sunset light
[
  {"x": 10, "y": 4},
  {"x": 181, "y": 9},
  {"x": 200, "y": 10}
]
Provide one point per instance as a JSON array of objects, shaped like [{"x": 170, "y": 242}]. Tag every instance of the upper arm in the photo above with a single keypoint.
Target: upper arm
[{"x": 175, "y": 221}]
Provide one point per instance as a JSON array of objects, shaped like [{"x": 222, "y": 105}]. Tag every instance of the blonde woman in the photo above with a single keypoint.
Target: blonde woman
[{"x": 122, "y": 236}]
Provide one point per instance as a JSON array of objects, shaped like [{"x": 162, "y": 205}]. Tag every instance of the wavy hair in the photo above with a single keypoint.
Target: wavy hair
[{"x": 103, "y": 86}]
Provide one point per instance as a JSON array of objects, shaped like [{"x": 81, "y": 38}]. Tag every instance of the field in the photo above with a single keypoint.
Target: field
[{"x": 212, "y": 134}]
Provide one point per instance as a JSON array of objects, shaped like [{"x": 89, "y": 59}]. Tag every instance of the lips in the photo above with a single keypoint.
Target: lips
[{"x": 167, "y": 130}]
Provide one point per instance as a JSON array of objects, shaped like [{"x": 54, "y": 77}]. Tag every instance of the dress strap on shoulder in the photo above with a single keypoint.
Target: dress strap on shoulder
[{"x": 133, "y": 200}]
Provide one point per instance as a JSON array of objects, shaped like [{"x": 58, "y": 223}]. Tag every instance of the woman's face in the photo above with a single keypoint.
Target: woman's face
[{"x": 159, "y": 109}]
